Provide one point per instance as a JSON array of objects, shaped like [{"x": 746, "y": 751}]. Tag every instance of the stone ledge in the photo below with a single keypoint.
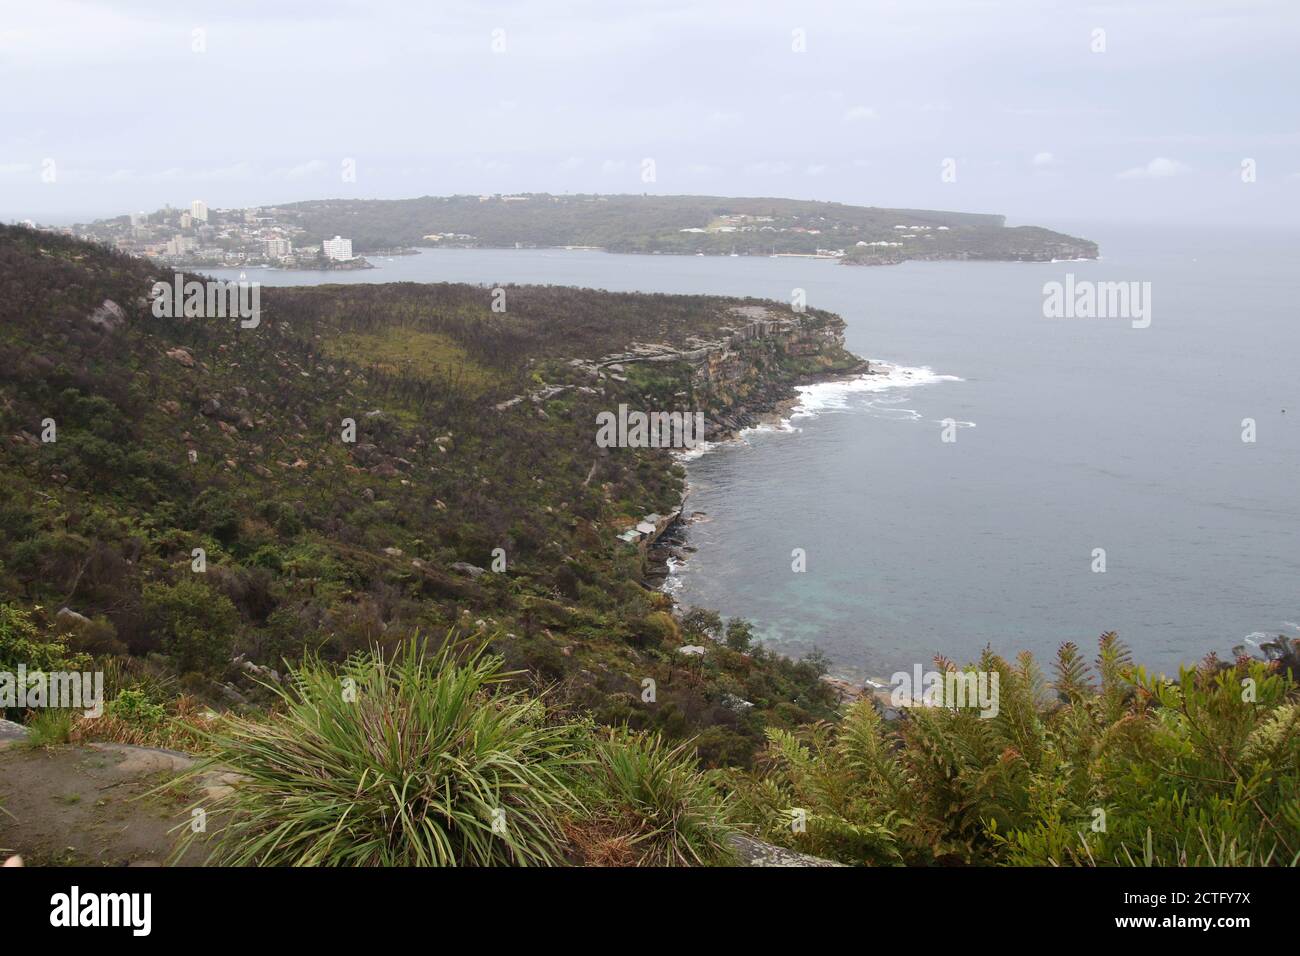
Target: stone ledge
[{"x": 754, "y": 852}]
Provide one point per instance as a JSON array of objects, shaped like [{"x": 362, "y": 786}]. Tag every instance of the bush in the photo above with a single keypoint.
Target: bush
[
  {"x": 740, "y": 634},
  {"x": 21, "y": 643},
  {"x": 408, "y": 762},
  {"x": 1204, "y": 770},
  {"x": 134, "y": 707},
  {"x": 655, "y": 800},
  {"x": 196, "y": 625},
  {"x": 655, "y": 629},
  {"x": 701, "y": 622}
]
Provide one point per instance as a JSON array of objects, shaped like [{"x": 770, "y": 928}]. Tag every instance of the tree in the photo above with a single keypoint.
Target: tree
[
  {"x": 740, "y": 634},
  {"x": 195, "y": 624}
]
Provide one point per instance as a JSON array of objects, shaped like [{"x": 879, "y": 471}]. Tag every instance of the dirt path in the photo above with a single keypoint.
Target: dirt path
[{"x": 86, "y": 805}]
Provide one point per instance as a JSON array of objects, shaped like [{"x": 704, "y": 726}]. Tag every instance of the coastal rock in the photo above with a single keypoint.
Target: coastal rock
[{"x": 845, "y": 690}]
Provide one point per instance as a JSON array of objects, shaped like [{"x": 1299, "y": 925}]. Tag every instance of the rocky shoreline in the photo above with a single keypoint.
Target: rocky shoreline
[{"x": 672, "y": 544}]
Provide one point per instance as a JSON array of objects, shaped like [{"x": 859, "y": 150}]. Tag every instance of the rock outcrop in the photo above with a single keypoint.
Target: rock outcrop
[{"x": 751, "y": 852}]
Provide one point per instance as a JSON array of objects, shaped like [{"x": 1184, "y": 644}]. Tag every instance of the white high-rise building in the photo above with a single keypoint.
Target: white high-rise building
[
  {"x": 337, "y": 248},
  {"x": 199, "y": 210}
]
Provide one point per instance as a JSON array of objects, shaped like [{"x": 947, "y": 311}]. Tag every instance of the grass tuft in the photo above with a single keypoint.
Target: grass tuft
[{"x": 421, "y": 760}]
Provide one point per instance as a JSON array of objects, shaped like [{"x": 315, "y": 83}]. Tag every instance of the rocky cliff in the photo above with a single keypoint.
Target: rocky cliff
[{"x": 750, "y": 367}]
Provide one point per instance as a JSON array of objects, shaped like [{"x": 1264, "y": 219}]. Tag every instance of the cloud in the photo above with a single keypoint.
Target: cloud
[
  {"x": 816, "y": 169},
  {"x": 1044, "y": 159},
  {"x": 1159, "y": 168},
  {"x": 859, "y": 114}
]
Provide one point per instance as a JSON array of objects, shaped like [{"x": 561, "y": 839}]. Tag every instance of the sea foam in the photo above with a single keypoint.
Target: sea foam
[{"x": 885, "y": 377}]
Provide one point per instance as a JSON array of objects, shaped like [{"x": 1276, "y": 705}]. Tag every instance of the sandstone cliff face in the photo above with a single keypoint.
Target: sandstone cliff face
[
  {"x": 758, "y": 365},
  {"x": 752, "y": 366}
]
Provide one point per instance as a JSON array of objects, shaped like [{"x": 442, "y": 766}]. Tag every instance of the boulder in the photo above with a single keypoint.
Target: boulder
[
  {"x": 69, "y": 616},
  {"x": 182, "y": 356},
  {"x": 752, "y": 852},
  {"x": 109, "y": 317}
]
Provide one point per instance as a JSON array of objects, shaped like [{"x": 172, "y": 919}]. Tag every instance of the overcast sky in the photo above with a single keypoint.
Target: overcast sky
[{"x": 129, "y": 107}]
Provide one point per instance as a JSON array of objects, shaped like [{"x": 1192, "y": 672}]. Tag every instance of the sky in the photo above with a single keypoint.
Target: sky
[{"x": 1166, "y": 111}]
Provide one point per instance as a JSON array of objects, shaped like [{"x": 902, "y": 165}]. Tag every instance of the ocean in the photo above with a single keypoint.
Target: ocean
[{"x": 1016, "y": 480}]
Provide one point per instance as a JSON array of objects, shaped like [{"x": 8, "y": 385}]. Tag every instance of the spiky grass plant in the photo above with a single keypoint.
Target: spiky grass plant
[
  {"x": 422, "y": 760},
  {"x": 49, "y": 728},
  {"x": 657, "y": 803}
]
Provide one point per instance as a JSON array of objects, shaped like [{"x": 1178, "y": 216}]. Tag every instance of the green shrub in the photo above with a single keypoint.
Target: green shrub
[
  {"x": 418, "y": 761},
  {"x": 655, "y": 629},
  {"x": 701, "y": 622},
  {"x": 134, "y": 707},
  {"x": 1137, "y": 769},
  {"x": 740, "y": 634},
  {"x": 656, "y": 798},
  {"x": 21, "y": 643},
  {"x": 195, "y": 624}
]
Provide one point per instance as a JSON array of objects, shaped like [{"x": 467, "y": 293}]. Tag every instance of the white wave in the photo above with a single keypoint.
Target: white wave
[
  {"x": 884, "y": 377},
  {"x": 780, "y": 426},
  {"x": 673, "y": 582},
  {"x": 700, "y": 449},
  {"x": 836, "y": 395}
]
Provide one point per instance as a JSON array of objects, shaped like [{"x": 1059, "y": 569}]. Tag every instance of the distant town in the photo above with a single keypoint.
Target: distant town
[{"x": 231, "y": 238}]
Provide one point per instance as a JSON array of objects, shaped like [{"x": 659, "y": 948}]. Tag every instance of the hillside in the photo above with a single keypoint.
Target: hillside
[
  {"x": 682, "y": 225},
  {"x": 475, "y": 431}
]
